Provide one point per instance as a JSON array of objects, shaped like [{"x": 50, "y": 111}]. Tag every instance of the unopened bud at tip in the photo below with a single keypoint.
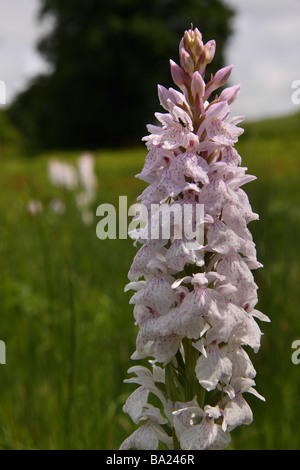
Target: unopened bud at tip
[
  {"x": 177, "y": 74},
  {"x": 209, "y": 51},
  {"x": 193, "y": 41},
  {"x": 187, "y": 62},
  {"x": 230, "y": 94},
  {"x": 222, "y": 76},
  {"x": 198, "y": 85}
]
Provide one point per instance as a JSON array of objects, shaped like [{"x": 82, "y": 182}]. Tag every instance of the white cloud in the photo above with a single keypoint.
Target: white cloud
[
  {"x": 265, "y": 51},
  {"x": 19, "y": 32}
]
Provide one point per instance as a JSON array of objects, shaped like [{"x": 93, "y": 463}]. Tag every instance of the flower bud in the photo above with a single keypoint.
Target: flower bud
[
  {"x": 230, "y": 94},
  {"x": 218, "y": 80},
  {"x": 188, "y": 38},
  {"x": 198, "y": 47},
  {"x": 206, "y": 57},
  {"x": 193, "y": 41},
  {"x": 209, "y": 51},
  {"x": 177, "y": 74},
  {"x": 187, "y": 62},
  {"x": 182, "y": 47},
  {"x": 198, "y": 85},
  {"x": 222, "y": 76}
]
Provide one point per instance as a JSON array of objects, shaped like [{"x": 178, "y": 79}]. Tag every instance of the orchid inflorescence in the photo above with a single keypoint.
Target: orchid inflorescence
[
  {"x": 80, "y": 179},
  {"x": 194, "y": 303}
]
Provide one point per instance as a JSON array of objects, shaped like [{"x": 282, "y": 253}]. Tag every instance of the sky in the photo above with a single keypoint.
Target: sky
[
  {"x": 19, "y": 31},
  {"x": 264, "y": 49},
  {"x": 265, "y": 52}
]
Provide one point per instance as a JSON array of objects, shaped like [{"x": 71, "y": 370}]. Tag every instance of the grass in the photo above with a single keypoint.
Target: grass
[{"x": 66, "y": 321}]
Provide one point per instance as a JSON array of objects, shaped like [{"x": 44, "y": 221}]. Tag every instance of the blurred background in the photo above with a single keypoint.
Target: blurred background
[{"x": 78, "y": 86}]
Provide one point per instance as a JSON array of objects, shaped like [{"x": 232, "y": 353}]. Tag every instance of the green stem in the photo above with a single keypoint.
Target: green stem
[
  {"x": 201, "y": 396},
  {"x": 192, "y": 386},
  {"x": 175, "y": 441},
  {"x": 191, "y": 355},
  {"x": 72, "y": 364},
  {"x": 171, "y": 388}
]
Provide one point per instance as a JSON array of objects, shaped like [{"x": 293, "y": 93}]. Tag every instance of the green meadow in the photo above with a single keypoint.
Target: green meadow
[{"x": 67, "y": 323}]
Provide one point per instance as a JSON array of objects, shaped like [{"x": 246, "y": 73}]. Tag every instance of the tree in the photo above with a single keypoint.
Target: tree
[{"x": 106, "y": 58}]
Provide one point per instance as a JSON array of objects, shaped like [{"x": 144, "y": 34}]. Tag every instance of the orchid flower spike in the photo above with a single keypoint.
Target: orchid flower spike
[{"x": 194, "y": 299}]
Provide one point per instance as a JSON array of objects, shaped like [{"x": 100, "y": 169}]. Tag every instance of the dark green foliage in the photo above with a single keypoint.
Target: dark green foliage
[
  {"x": 106, "y": 59},
  {"x": 10, "y": 139}
]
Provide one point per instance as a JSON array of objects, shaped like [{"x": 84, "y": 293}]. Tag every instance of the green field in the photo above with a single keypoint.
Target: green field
[{"x": 66, "y": 320}]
